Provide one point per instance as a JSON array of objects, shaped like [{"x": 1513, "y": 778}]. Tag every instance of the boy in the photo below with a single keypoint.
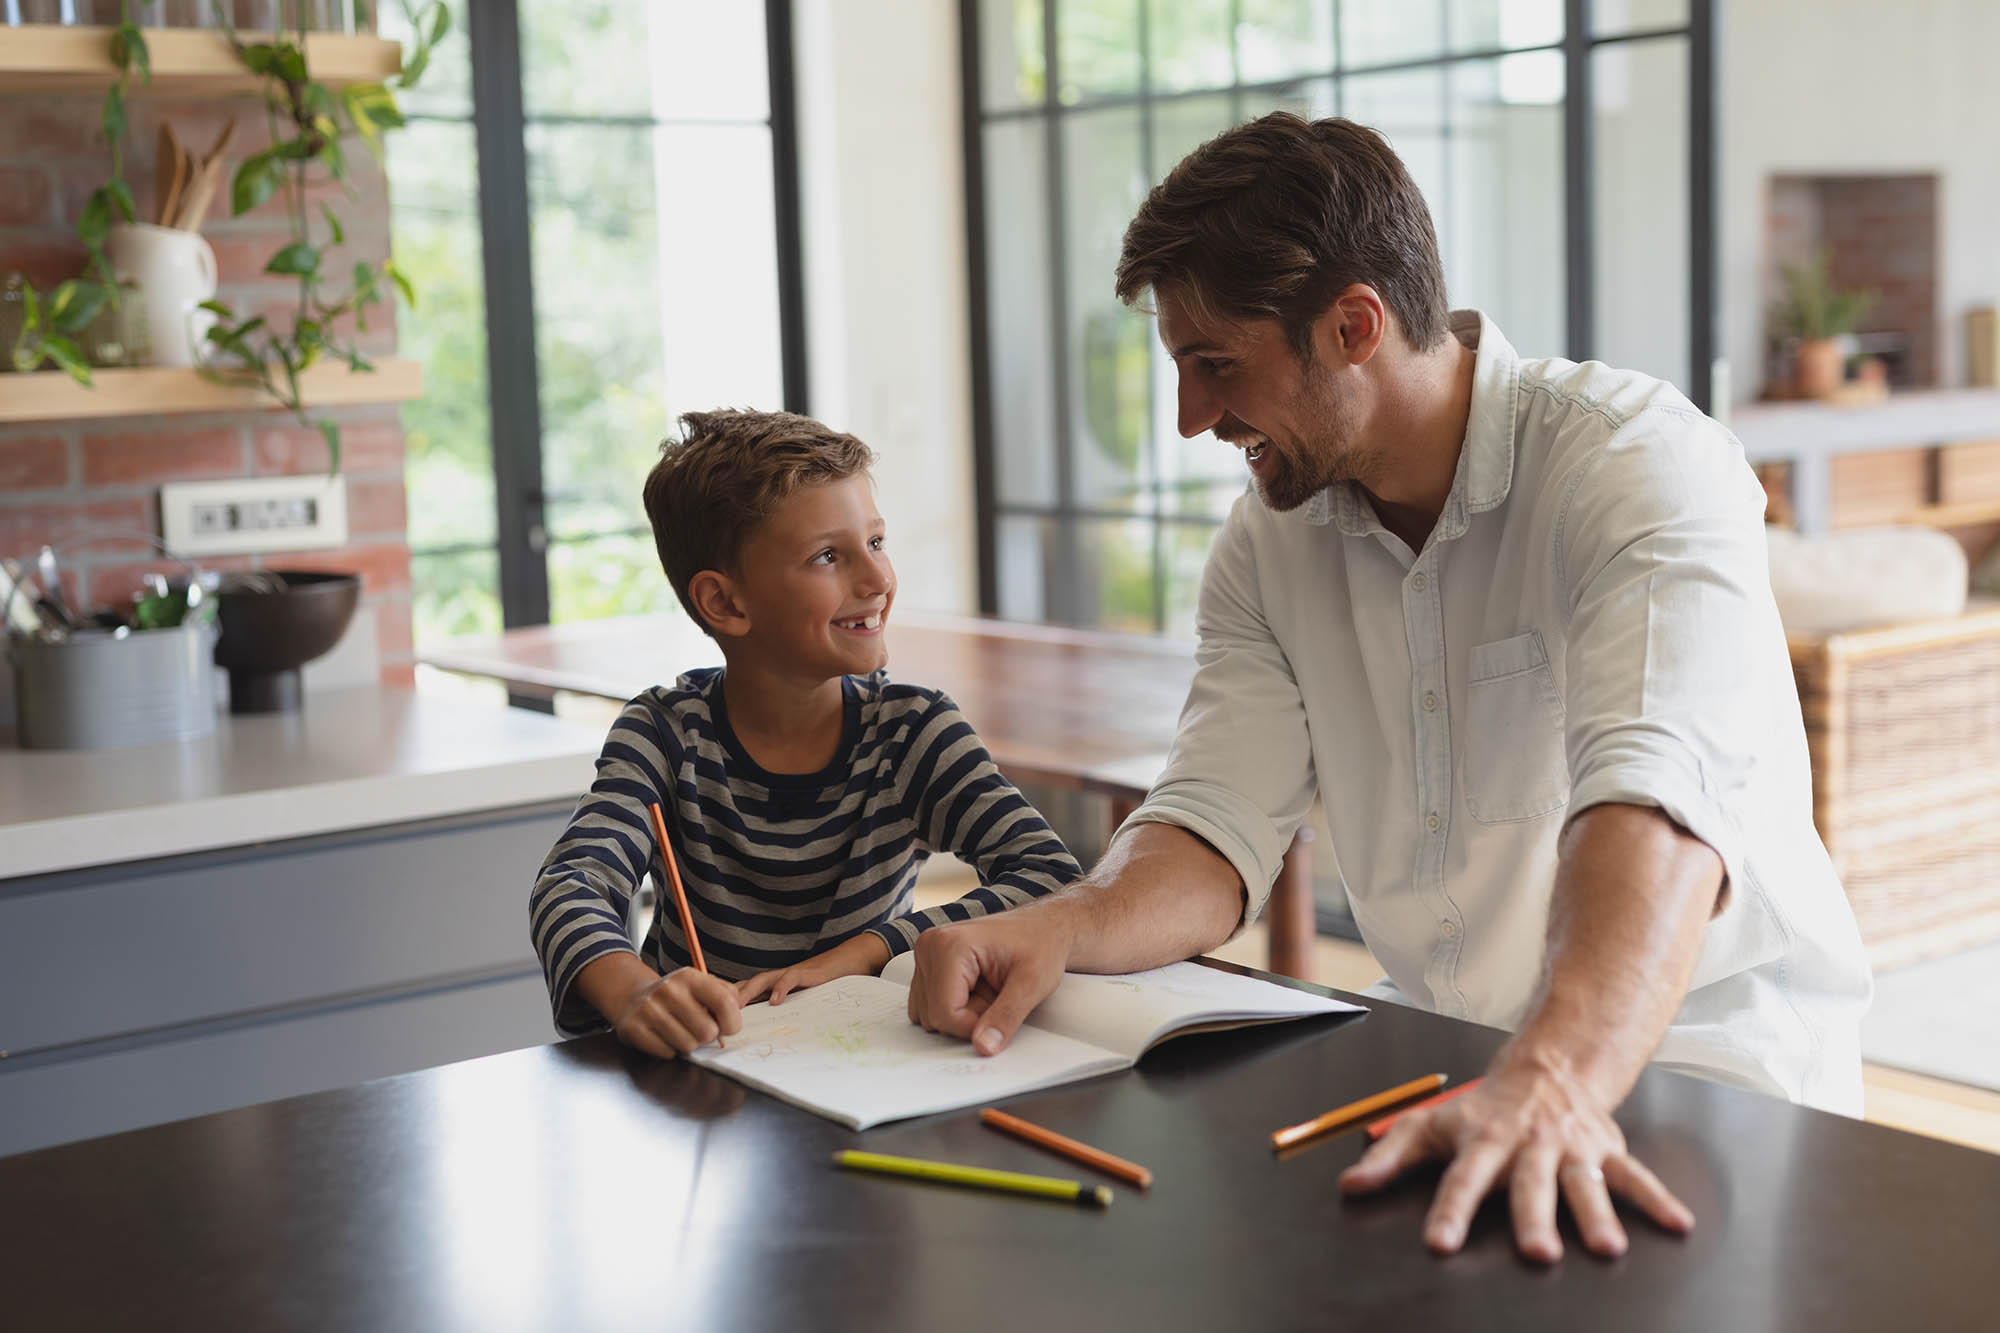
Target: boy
[{"x": 801, "y": 789}]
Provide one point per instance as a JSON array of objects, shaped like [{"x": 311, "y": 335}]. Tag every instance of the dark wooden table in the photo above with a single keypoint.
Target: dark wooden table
[
  {"x": 1078, "y": 710},
  {"x": 583, "y": 1187}
]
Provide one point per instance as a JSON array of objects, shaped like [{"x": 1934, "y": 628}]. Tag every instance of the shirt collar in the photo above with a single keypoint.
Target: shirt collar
[{"x": 1485, "y": 462}]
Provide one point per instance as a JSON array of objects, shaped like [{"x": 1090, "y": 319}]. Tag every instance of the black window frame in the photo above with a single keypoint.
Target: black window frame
[
  {"x": 499, "y": 123},
  {"x": 1576, "y": 47}
]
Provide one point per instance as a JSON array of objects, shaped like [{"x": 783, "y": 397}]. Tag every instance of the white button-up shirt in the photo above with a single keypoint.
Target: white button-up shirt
[{"x": 1590, "y": 620}]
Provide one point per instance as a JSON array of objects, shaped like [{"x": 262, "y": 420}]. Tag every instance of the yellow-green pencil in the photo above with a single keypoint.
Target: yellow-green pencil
[{"x": 978, "y": 1177}]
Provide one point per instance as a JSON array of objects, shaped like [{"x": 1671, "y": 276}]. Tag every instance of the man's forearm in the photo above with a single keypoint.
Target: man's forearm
[
  {"x": 1158, "y": 895},
  {"x": 1632, "y": 895}
]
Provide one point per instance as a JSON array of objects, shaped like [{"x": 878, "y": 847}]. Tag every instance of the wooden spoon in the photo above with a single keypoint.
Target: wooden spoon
[
  {"x": 208, "y": 174},
  {"x": 169, "y": 176}
]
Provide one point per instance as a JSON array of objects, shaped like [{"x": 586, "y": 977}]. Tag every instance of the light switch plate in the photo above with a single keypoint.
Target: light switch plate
[{"x": 250, "y": 515}]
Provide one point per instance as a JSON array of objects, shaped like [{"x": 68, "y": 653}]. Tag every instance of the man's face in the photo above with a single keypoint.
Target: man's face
[
  {"x": 1244, "y": 382},
  {"x": 817, "y": 583}
]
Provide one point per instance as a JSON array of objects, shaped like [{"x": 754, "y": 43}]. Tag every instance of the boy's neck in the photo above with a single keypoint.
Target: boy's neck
[{"x": 785, "y": 725}]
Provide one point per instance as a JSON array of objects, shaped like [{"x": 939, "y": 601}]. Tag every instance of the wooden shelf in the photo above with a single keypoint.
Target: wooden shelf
[
  {"x": 51, "y": 395},
  {"x": 43, "y": 58},
  {"x": 1960, "y": 514},
  {"x": 1774, "y": 432}
]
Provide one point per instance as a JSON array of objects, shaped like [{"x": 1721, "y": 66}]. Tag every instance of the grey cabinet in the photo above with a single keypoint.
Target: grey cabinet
[{"x": 140, "y": 993}]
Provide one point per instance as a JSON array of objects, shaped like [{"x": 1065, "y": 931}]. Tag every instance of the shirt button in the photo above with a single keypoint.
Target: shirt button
[
  {"x": 1431, "y": 822},
  {"x": 1420, "y": 582},
  {"x": 1449, "y": 929},
  {"x": 1430, "y": 699}
]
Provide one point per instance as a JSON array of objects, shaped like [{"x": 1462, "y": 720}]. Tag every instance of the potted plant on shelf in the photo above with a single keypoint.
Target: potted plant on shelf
[
  {"x": 306, "y": 131},
  {"x": 1818, "y": 316},
  {"x": 48, "y": 327},
  {"x": 309, "y": 123}
]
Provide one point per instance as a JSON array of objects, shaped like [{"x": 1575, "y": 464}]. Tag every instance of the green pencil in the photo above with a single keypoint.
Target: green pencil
[{"x": 978, "y": 1177}]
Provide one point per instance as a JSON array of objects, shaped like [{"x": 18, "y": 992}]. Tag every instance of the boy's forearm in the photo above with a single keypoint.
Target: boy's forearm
[{"x": 606, "y": 982}]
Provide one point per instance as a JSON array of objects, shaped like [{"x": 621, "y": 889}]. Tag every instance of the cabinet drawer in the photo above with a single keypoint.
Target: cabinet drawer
[{"x": 90, "y": 954}]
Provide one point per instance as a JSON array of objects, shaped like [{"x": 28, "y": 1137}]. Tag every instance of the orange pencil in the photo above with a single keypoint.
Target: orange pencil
[
  {"x": 680, "y": 894},
  {"x": 1377, "y": 1128},
  {"x": 1353, "y": 1111},
  {"x": 1129, "y": 1172}
]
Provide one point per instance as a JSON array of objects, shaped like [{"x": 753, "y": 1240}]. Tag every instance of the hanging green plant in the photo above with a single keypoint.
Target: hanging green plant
[
  {"x": 308, "y": 123},
  {"x": 51, "y": 321}
]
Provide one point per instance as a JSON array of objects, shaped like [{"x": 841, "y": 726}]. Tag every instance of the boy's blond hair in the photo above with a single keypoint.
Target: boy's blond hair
[{"x": 723, "y": 477}]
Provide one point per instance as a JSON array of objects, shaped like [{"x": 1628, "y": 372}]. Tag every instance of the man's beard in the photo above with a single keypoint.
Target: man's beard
[{"x": 1299, "y": 475}]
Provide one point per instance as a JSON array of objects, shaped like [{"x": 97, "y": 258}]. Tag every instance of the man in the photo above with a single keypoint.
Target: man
[{"x": 1511, "y": 619}]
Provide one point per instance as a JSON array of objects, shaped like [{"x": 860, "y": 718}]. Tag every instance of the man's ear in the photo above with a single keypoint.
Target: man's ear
[
  {"x": 1352, "y": 329},
  {"x": 719, "y": 602}
]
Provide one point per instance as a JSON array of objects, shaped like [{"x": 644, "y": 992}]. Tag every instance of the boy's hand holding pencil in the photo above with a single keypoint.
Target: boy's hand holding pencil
[
  {"x": 674, "y": 1014},
  {"x": 662, "y": 1016},
  {"x": 670, "y": 1015}
]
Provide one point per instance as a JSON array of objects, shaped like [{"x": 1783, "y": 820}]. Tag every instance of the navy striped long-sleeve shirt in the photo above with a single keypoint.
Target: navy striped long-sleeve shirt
[{"x": 779, "y": 867}]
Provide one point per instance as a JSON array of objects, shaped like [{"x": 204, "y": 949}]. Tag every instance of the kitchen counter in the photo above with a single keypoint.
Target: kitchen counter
[
  {"x": 350, "y": 759},
  {"x": 294, "y": 903}
]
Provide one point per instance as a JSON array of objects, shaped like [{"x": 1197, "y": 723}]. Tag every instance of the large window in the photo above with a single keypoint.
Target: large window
[
  {"x": 596, "y": 201},
  {"x": 1560, "y": 147}
]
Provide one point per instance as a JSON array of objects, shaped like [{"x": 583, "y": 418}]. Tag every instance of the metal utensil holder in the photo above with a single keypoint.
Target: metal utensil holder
[{"x": 95, "y": 689}]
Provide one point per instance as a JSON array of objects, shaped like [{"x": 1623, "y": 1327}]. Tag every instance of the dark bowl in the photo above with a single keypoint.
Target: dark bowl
[{"x": 268, "y": 636}]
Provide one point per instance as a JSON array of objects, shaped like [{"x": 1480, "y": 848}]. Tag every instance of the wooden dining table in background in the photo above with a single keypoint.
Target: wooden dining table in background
[{"x": 1076, "y": 710}]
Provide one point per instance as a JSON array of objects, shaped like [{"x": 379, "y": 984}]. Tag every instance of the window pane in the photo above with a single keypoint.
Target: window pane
[
  {"x": 1608, "y": 18},
  {"x": 1376, "y": 32},
  {"x": 1186, "y": 468},
  {"x": 1098, "y": 47},
  {"x": 1020, "y": 328},
  {"x": 1186, "y": 552},
  {"x": 1505, "y": 249},
  {"x": 598, "y": 321},
  {"x": 615, "y": 575},
  {"x": 1011, "y": 69},
  {"x": 1641, "y": 206},
  {"x": 1104, "y": 182},
  {"x": 1482, "y": 25},
  {"x": 1407, "y": 107},
  {"x": 1313, "y": 99},
  {"x": 1182, "y": 125},
  {"x": 1115, "y": 576},
  {"x": 1028, "y": 556},
  {"x": 454, "y": 593},
  {"x": 709, "y": 61},
  {"x": 434, "y": 195},
  {"x": 717, "y": 305},
  {"x": 1189, "y": 43},
  {"x": 585, "y": 57},
  {"x": 1276, "y": 39},
  {"x": 446, "y": 86}
]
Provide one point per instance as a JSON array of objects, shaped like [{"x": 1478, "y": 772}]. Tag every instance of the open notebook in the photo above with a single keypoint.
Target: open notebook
[{"x": 848, "y": 1051}]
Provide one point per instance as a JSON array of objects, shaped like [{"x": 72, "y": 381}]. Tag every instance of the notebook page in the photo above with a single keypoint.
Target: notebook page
[
  {"x": 1128, "y": 1014},
  {"x": 848, "y": 1051}
]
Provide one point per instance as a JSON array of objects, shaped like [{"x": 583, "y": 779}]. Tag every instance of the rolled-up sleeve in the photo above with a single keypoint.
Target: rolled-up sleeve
[
  {"x": 1661, "y": 551},
  {"x": 1240, "y": 774}
]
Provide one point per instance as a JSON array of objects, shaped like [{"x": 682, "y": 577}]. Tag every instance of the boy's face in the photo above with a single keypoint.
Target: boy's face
[{"x": 816, "y": 584}]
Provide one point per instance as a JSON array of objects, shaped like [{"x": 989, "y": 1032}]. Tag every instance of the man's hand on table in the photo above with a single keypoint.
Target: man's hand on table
[
  {"x": 981, "y": 979},
  {"x": 1534, "y": 1130}
]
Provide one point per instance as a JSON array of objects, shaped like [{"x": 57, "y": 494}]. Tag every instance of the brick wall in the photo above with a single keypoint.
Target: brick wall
[
  {"x": 68, "y": 478},
  {"x": 1882, "y": 232}
]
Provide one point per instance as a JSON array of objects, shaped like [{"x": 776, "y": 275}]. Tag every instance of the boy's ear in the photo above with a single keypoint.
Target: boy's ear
[{"x": 715, "y": 596}]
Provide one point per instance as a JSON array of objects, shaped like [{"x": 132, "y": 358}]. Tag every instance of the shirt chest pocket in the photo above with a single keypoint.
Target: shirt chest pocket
[{"x": 1514, "y": 760}]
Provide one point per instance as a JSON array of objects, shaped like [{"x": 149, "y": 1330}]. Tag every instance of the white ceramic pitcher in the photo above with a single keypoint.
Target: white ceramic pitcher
[{"x": 177, "y": 270}]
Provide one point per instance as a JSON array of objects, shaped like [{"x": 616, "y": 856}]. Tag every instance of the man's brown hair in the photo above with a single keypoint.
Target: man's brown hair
[
  {"x": 1274, "y": 218},
  {"x": 724, "y": 476}
]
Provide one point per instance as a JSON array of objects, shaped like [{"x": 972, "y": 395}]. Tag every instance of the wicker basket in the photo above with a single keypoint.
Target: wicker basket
[{"x": 1903, "y": 724}]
